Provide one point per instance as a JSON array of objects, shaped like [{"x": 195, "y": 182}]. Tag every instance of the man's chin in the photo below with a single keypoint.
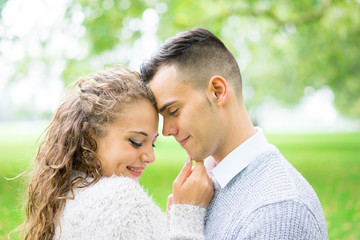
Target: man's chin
[
  {"x": 195, "y": 157},
  {"x": 198, "y": 160}
]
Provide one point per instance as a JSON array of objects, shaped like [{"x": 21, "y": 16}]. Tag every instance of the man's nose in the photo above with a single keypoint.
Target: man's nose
[{"x": 169, "y": 129}]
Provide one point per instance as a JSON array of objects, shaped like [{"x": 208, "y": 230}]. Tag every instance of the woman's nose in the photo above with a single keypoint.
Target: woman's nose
[{"x": 148, "y": 156}]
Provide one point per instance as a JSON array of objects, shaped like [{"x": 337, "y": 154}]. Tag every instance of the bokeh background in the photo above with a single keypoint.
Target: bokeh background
[{"x": 300, "y": 62}]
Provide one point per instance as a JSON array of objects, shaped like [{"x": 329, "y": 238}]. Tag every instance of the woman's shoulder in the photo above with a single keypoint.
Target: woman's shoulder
[
  {"x": 116, "y": 183},
  {"x": 114, "y": 190},
  {"x": 108, "y": 205},
  {"x": 106, "y": 200}
]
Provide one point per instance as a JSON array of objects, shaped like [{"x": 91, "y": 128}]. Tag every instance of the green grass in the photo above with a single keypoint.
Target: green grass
[{"x": 330, "y": 162}]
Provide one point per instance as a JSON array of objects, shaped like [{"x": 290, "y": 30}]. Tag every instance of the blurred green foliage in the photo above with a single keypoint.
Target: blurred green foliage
[
  {"x": 282, "y": 46},
  {"x": 2, "y": 4},
  {"x": 330, "y": 162},
  {"x": 288, "y": 45}
]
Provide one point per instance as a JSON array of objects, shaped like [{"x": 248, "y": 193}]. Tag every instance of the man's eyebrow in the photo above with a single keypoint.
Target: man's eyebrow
[
  {"x": 163, "y": 108},
  {"x": 140, "y": 132}
]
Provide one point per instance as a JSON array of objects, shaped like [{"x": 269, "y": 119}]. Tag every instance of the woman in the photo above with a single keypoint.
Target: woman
[{"x": 85, "y": 185}]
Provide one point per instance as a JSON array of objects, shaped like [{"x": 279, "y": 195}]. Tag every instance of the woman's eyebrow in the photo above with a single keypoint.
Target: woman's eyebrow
[{"x": 140, "y": 132}]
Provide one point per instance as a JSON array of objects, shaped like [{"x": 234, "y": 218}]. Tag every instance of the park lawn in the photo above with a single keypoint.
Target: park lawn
[{"x": 330, "y": 162}]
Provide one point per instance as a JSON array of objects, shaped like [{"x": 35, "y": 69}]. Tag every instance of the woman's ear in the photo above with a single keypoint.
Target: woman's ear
[{"x": 218, "y": 90}]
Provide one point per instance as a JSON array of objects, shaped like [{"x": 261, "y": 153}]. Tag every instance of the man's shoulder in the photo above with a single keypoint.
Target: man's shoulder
[
  {"x": 268, "y": 184},
  {"x": 268, "y": 180},
  {"x": 290, "y": 219},
  {"x": 273, "y": 179}
]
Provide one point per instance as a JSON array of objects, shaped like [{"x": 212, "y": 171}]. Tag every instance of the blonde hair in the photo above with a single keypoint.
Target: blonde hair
[{"x": 69, "y": 144}]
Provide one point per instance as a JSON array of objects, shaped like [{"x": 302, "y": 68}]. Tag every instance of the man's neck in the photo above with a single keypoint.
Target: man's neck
[{"x": 239, "y": 128}]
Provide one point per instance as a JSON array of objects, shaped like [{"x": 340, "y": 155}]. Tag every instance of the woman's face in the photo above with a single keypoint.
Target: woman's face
[{"x": 126, "y": 146}]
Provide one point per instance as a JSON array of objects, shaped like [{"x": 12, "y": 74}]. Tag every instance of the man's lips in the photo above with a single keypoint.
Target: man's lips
[{"x": 183, "y": 142}]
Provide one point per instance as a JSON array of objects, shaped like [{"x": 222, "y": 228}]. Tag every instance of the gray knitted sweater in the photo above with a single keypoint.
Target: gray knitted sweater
[{"x": 269, "y": 199}]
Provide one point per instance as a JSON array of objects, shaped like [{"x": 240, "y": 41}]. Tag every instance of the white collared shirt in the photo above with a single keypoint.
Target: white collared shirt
[{"x": 238, "y": 159}]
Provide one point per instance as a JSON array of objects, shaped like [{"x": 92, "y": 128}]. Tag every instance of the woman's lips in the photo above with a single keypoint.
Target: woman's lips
[{"x": 136, "y": 171}]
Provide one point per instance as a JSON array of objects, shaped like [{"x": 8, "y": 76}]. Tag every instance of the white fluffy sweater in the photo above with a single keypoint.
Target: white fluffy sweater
[{"x": 119, "y": 208}]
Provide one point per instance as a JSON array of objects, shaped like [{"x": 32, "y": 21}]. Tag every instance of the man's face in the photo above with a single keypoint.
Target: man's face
[{"x": 188, "y": 113}]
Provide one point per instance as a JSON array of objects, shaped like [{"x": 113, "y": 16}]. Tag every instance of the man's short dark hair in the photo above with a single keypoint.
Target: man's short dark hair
[{"x": 197, "y": 53}]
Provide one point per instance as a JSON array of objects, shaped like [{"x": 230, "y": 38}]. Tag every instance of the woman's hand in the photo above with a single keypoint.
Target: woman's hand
[{"x": 193, "y": 185}]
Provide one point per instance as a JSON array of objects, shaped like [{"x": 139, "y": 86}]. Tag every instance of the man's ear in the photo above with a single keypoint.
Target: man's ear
[{"x": 218, "y": 90}]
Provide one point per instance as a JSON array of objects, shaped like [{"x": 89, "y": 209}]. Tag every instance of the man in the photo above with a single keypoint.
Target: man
[{"x": 258, "y": 193}]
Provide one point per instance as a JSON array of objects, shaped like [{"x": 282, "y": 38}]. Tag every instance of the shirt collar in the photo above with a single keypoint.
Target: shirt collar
[{"x": 238, "y": 159}]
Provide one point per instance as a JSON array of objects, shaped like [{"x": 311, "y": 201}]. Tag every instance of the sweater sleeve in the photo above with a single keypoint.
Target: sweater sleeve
[
  {"x": 281, "y": 220},
  {"x": 145, "y": 220},
  {"x": 186, "y": 221}
]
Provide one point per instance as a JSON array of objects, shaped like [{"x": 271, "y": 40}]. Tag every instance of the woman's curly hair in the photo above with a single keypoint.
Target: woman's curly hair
[{"x": 69, "y": 144}]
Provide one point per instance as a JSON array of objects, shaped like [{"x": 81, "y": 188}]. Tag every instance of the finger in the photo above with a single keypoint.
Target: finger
[
  {"x": 189, "y": 173},
  {"x": 184, "y": 173},
  {"x": 199, "y": 168},
  {"x": 170, "y": 198},
  {"x": 169, "y": 203},
  {"x": 198, "y": 172}
]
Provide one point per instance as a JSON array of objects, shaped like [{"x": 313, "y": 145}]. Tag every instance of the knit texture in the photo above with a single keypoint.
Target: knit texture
[
  {"x": 267, "y": 200},
  {"x": 119, "y": 208},
  {"x": 186, "y": 217}
]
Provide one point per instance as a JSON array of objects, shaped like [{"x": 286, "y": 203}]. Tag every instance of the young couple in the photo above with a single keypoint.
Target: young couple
[{"x": 85, "y": 185}]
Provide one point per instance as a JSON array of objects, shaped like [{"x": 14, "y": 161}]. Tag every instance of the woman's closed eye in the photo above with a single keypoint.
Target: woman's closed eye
[{"x": 135, "y": 143}]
